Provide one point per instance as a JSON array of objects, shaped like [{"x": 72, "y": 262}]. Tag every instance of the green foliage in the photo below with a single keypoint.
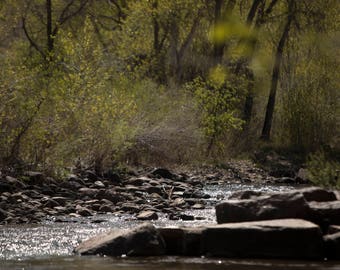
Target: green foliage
[
  {"x": 217, "y": 100},
  {"x": 323, "y": 170},
  {"x": 310, "y": 111},
  {"x": 128, "y": 75}
]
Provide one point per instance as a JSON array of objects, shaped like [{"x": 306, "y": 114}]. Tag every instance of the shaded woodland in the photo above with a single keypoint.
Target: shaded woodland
[{"x": 181, "y": 82}]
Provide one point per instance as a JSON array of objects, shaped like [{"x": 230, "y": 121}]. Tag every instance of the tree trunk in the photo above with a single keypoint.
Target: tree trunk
[
  {"x": 275, "y": 75},
  {"x": 258, "y": 5},
  {"x": 218, "y": 46},
  {"x": 50, "y": 42}
]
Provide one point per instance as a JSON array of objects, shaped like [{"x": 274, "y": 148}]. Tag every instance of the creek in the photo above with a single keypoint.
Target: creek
[{"x": 49, "y": 245}]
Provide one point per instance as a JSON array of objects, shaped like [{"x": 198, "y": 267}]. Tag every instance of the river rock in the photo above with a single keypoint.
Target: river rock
[
  {"x": 276, "y": 206},
  {"x": 182, "y": 241},
  {"x": 325, "y": 213},
  {"x": 35, "y": 178},
  {"x": 284, "y": 238},
  {"x": 246, "y": 194},
  {"x": 15, "y": 182},
  {"x": 147, "y": 215},
  {"x": 333, "y": 229},
  {"x": 3, "y": 214},
  {"x": 332, "y": 244},
  {"x": 164, "y": 173},
  {"x": 317, "y": 194},
  {"x": 144, "y": 240}
]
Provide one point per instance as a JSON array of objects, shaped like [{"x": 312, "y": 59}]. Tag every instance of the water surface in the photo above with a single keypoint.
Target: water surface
[{"x": 48, "y": 246}]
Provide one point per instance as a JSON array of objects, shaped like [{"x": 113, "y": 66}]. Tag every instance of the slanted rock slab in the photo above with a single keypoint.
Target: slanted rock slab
[
  {"x": 144, "y": 240},
  {"x": 317, "y": 194},
  {"x": 282, "y": 238},
  {"x": 276, "y": 206},
  {"x": 325, "y": 212}
]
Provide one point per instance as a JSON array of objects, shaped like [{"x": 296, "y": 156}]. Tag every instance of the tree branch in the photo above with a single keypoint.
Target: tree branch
[{"x": 31, "y": 41}]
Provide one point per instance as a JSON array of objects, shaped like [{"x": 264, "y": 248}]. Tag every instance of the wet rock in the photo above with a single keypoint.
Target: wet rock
[
  {"x": 317, "y": 194},
  {"x": 302, "y": 176},
  {"x": 6, "y": 187},
  {"x": 113, "y": 177},
  {"x": 192, "y": 241},
  {"x": 154, "y": 189},
  {"x": 333, "y": 229},
  {"x": 91, "y": 175},
  {"x": 246, "y": 194},
  {"x": 15, "y": 182},
  {"x": 111, "y": 195},
  {"x": 178, "y": 202},
  {"x": 60, "y": 200},
  {"x": 99, "y": 184},
  {"x": 84, "y": 212},
  {"x": 138, "y": 181},
  {"x": 195, "y": 194},
  {"x": 276, "y": 206},
  {"x": 285, "y": 180},
  {"x": 144, "y": 240},
  {"x": 130, "y": 207},
  {"x": 332, "y": 246},
  {"x": 198, "y": 206},
  {"x": 106, "y": 208},
  {"x": 285, "y": 238},
  {"x": 325, "y": 213},
  {"x": 35, "y": 178},
  {"x": 186, "y": 217},
  {"x": 174, "y": 240},
  {"x": 164, "y": 173},
  {"x": 147, "y": 215},
  {"x": 3, "y": 215},
  {"x": 50, "y": 203},
  {"x": 88, "y": 191}
]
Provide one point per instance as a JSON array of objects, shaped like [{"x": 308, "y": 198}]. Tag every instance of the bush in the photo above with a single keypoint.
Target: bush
[{"x": 323, "y": 170}]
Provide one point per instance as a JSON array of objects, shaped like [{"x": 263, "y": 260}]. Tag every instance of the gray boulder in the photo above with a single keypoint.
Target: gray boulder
[
  {"x": 317, "y": 194},
  {"x": 276, "y": 206},
  {"x": 325, "y": 212},
  {"x": 284, "y": 238},
  {"x": 143, "y": 240}
]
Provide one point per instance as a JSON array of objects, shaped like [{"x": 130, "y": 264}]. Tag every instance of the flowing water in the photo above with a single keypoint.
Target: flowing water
[{"x": 49, "y": 245}]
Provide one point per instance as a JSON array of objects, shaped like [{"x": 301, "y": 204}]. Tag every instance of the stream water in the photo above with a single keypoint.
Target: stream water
[{"x": 49, "y": 245}]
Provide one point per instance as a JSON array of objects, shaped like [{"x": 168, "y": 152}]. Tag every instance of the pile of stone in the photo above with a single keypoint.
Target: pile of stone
[
  {"x": 293, "y": 225},
  {"x": 32, "y": 197}
]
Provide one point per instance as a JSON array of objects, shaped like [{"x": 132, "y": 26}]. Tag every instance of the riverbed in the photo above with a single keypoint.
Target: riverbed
[{"x": 49, "y": 245}]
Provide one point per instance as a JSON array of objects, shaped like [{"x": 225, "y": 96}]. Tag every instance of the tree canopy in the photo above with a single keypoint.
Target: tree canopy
[{"x": 179, "y": 81}]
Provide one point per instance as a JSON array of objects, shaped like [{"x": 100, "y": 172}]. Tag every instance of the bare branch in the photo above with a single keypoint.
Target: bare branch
[
  {"x": 190, "y": 36},
  {"x": 31, "y": 41}
]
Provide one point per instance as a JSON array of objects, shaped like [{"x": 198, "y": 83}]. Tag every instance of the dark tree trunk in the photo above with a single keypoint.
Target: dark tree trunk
[
  {"x": 275, "y": 75},
  {"x": 49, "y": 33},
  {"x": 257, "y": 6},
  {"x": 218, "y": 46},
  {"x": 156, "y": 27}
]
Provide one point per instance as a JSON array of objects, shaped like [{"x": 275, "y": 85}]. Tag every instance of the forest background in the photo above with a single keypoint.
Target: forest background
[{"x": 168, "y": 82}]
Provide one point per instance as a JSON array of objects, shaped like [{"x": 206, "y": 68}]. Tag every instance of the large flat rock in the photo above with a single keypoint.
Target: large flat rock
[
  {"x": 143, "y": 240},
  {"x": 333, "y": 246},
  {"x": 275, "y": 206},
  {"x": 282, "y": 238},
  {"x": 326, "y": 212}
]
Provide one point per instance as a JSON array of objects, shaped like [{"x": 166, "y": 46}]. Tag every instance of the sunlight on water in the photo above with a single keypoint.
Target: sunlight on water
[
  {"x": 59, "y": 239},
  {"x": 49, "y": 246}
]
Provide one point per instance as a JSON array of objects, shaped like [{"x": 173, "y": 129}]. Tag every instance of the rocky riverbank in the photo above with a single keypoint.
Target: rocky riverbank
[
  {"x": 301, "y": 224},
  {"x": 144, "y": 193}
]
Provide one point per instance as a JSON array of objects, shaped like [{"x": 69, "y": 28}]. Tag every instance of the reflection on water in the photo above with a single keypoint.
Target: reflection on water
[
  {"x": 49, "y": 246},
  {"x": 167, "y": 263}
]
